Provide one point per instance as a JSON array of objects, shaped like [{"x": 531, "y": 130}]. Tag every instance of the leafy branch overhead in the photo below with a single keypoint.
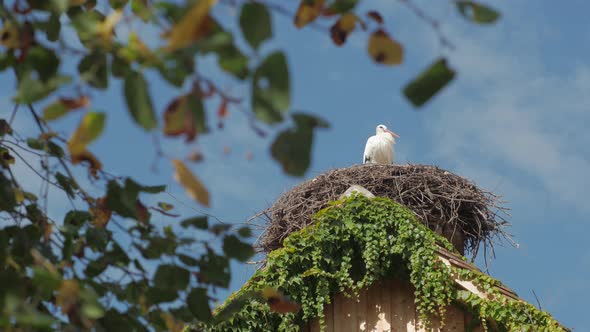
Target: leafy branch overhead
[{"x": 121, "y": 257}]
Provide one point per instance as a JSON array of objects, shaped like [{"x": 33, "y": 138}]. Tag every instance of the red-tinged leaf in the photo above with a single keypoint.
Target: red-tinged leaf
[
  {"x": 222, "y": 111},
  {"x": 384, "y": 50},
  {"x": 195, "y": 156},
  {"x": 143, "y": 215},
  {"x": 185, "y": 116},
  {"x": 72, "y": 104},
  {"x": 249, "y": 155},
  {"x": 226, "y": 150},
  {"x": 373, "y": 14}
]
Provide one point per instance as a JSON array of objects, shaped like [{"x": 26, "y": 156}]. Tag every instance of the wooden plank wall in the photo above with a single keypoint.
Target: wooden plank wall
[{"x": 386, "y": 306}]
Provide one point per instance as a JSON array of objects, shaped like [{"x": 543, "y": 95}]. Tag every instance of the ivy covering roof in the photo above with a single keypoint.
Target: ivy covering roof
[{"x": 355, "y": 242}]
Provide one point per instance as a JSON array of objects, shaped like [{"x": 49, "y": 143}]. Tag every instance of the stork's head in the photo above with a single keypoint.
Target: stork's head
[{"x": 382, "y": 129}]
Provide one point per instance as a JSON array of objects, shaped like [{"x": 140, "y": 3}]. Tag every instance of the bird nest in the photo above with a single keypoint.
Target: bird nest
[{"x": 440, "y": 199}]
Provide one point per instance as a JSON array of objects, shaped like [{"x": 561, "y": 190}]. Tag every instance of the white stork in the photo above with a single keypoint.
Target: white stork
[{"x": 379, "y": 148}]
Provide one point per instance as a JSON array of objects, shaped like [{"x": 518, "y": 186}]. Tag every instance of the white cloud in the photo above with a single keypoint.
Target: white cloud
[{"x": 507, "y": 109}]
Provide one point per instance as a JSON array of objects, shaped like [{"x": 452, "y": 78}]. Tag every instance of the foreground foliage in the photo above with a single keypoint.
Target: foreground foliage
[
  {"x": 352, "y": 244},
  {"x": 103, "y": 259}
]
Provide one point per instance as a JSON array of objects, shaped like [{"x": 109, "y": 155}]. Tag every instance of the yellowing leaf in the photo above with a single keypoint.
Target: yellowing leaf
[
  {"x": 67, "y": 295},
  {"x": 9, "y": 36},
  {"x": 89, "y": 129},
  {"x": 307, "y": 13},
  {"x": 172, "y": 325},
  {"x": 385, "y": 50},
  {"x": 193, "y": 186},
  {"x": 195, "y": 24},
  {"x": 342, "y": 28},
  {"x": 19, "y": 195},
  {"x": 106, "y": 29}
]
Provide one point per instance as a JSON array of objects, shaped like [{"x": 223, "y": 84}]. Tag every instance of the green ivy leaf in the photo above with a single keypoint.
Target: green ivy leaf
[
  {"x": 271, "y": 89},
  {"x": 292, "y": 147},
  {"x": 255, "y": 23},
  {"x": 233, "y": 247},
  {"x": 139, "y": 101},
  {"x": 198, "y": 303},
  {"x": 196, "y": 222},
  {"x": 429, "y": 82},
  {"x": 476, "y": 12}
]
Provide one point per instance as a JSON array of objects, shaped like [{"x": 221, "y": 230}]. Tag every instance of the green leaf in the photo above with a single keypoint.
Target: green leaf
[
  {"x": 196, "y": 222},
  {"x": 35, "y": 319},
  {"x": 171, "y": 277},
  {"x": 94, "y": 70},
  {"x": 429, "y": 82},
  {"x": 292, "y": 147},
  {"x": 55, "y": 150},
  {"x": 54, "y": 111},
  {"x": 233, "y": 61},
  {"x": 198, "y": 303},
  {"x": 139, "y": 101},
  {"x": 96, "y": 267},
  {"x": 245, "y": 232},
  {"x": 67, "y": 184},
  {"x": 45, "y": 280},
  {"x": 35, "y": 144},
  {"x": 235, "y": 248},
  {"x": 255, "y": 23},
  {"x": 5, "y": 128},
  {"x": 188, "y": 260},
  {"x": 59, "y": 6},
  {"x": 342, "y": 6},
  {"x": 477, "y": 13},
  {"x": 31, "y": 90},
  {"x": 87, "y": 24},
  {"x": 214, "y": 269},
  {"x": 44, "y": 61},
  {"x": 53, "y": 27},
  {"x": 271, "y": 89}
]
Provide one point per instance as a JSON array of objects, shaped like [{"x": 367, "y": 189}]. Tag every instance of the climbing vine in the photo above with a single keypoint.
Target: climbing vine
[{"x": 353, "y": 243}]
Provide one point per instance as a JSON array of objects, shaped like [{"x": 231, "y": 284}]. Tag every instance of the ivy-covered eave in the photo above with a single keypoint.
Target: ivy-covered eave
[{"x": 355, "y": 242}]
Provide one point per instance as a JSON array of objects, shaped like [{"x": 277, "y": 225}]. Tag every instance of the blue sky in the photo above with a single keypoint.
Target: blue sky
[{"x": 514, "y": 121}]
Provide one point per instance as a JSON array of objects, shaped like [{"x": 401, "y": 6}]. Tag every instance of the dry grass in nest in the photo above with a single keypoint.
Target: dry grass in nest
[{"x": 440, "y": 199}]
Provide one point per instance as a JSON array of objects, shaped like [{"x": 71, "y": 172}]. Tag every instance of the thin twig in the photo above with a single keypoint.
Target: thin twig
[{"x": 431, "y": 21}]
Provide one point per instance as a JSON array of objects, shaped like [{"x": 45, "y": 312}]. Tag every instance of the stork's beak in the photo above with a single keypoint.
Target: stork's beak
[{"x": 392, "y": 133}]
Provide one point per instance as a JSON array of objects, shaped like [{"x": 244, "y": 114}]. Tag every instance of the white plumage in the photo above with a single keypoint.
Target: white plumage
[{"x": 379, "y": 148}]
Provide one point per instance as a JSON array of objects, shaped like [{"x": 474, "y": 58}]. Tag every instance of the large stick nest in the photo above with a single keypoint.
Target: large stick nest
[{"x": 440, "y": 199}]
